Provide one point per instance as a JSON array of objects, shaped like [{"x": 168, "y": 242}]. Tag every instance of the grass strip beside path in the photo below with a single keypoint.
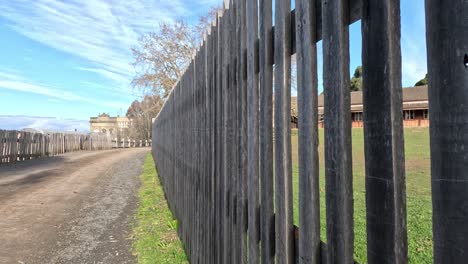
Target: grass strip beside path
[{"x": 155, "y": 232}]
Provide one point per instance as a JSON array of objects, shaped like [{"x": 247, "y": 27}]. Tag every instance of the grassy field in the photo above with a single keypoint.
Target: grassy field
[
  {"x": 419, "y": 208},
  {"x": 157, "y": 242},
  {"x": 155, "y": 236}
]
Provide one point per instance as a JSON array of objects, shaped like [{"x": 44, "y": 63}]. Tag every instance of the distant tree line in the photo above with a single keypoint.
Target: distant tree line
[{"x": 356, "y": 80}]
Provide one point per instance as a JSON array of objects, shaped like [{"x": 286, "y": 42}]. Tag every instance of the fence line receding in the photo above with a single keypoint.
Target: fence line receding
[
  {"x": 228, "y": 177},
  {"x": 22, "y": 145}
]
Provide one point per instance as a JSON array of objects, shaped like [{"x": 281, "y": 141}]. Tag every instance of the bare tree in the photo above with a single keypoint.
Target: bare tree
[
  {"x": 141, "y": 115},
  {"x": 162, "y": 56},
  {"x": 160, "y": 60}
]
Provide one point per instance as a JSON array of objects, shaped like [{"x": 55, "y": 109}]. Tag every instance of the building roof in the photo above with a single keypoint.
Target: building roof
[
  {"x": 413, "y": 98},
  {"x": 411, "y": 94}
]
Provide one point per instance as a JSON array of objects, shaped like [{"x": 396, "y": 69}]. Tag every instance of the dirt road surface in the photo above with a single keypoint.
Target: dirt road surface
[{"x": 74, "y": 208}]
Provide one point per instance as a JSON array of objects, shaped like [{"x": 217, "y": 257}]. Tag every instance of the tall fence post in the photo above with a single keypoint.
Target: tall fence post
[
  {"x": 283, "y": 168},
  {"x": 383, "y": 132},
  {"x": 338, "y": 155},
  {"x": 252, "y": 130},
  {"x": 447, "y": 49},
  {"x": 309, "y": 193},
  {"x": 243, "y": 127},
  {"x": 267, "y": 219}
]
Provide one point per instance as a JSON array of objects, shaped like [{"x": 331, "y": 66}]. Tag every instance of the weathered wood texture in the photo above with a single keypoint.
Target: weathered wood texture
[
  {"x": 20, "y": 145},
  {"x": 447, "y": 45},
  {"x": 252, "y": 130},
  {"x": 338, "y": 160},
  {"x": 282, "y": 127},
  {"x": 267, "y": 220},
  {"x": 228, "y": 178},
  {"x": 307, "y": 93},
  {"x": 383, "y": 126}
]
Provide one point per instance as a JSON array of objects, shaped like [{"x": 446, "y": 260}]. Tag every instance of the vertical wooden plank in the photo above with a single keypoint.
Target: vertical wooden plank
[
  {"x": 338, "y": 157},
  {"x": 225, "y": 135},
  {"x": 193, "y": 166},
  {"x": 267, "y": 224},
  {"x": 21, "y": 145},
  {"x": 203, "y": 215},
  {"x": 309, "y": 193},
  {"x": 283, "y": 167},
  {"x": 242, "y": 86},
  {"x": 231, "y": 100},
  {"x": 2, "y": 145},
  {"x": 15, "y": 146},
  {"x": 213, "y": 140},
  {"x": 383, "y": 132},
  {"x": 219, "y": 91},
  {"x": 252, "y": 130},
  {"x": 8, "y": 146},
  {"x": 447, "y": 49},
  {"x": 26, "y": 145},
  {"x": 12, "y": 143},
  {"x": 236, "y": 231},
  {"x": 207, "y": 150},
  {"x": 190, "y": 161}
]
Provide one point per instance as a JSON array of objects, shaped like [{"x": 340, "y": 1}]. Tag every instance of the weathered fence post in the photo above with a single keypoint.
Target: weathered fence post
[
  {"x": 267, "y": 220},
  {"x": 383, "y": 127},
  {"x": 309, "y": 204},
  {"x": 252, "y": 130},
  {"x": 338, "y": 157},
  {"x": 447, "y": 49},
  {"x": 283, "y": 168}
]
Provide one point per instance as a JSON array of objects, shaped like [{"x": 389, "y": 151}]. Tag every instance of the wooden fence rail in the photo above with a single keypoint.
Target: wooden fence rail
[
  {"x": 229, "y": 182},
  {"x": 21, "y": 145}
]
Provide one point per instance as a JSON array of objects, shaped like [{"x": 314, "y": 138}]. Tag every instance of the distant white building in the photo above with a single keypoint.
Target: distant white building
[{"x": 109, "y": 125}]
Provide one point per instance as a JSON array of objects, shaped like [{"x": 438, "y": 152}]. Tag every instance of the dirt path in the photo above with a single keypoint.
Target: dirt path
[{"x": 74, "y": 208}]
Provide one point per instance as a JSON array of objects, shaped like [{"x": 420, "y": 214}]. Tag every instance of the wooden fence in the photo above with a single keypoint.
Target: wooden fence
[
  {"x": 213, "y": 139},
  {"x": 130, "y": 143},
  {"x": 20, "y": 145}
]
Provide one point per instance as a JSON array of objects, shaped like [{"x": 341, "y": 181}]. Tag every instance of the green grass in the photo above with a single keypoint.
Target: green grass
[
  {"x": 155, "y": 236},
  {"x": 418, "y": 192},
  {"x": 157, "y": 241}
]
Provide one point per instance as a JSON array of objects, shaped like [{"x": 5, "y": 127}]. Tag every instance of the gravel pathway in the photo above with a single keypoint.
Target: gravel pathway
[{"x": 77, "y": 210}]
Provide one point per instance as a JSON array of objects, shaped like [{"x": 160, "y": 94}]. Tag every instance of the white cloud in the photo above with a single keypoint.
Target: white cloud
[
  {"x": 16, "y": 83},
  {"x": 48, "y": 123},
  {"x": 99, "y": 31},
  {"x": 106, "y": 73}
]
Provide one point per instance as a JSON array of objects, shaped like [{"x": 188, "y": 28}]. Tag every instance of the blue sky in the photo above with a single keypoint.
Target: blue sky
[{"x": 63, "y": 61}]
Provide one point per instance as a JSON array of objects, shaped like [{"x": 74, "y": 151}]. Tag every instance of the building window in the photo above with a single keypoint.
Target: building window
[
  {"x": 409, "y": 115},
  {"x": 426, "y": 114},
  {"x": 357, "y": 116}
]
